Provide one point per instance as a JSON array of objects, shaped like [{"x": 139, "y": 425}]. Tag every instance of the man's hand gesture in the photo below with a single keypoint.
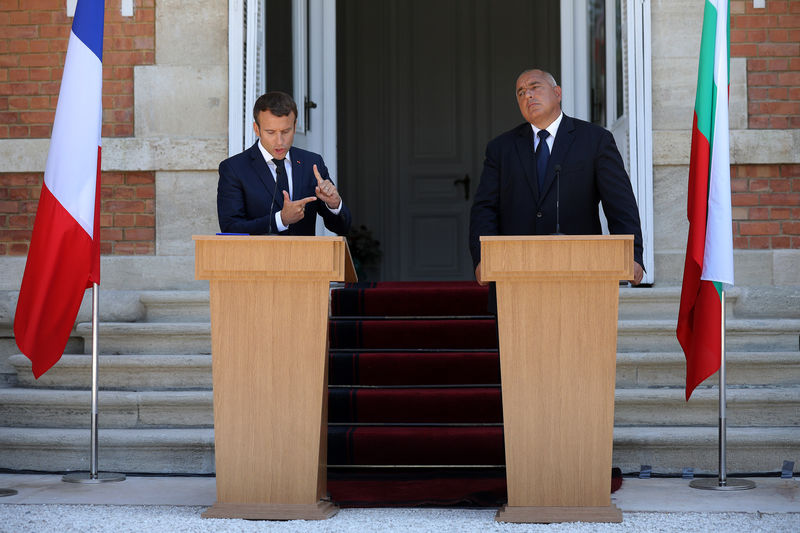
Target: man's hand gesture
[
  {"x": 326, "y": 191},
  {"x": 294, "y": 211}
]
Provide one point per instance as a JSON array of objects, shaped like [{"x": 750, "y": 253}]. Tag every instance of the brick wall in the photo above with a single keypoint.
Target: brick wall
[
  {"x": 770, "y": 40},
  {"x": 33, "y": 44},
  {"x": 766, "y": 198},
  {"x": 127, "y": 212},
  {"x": 766, "y": 206}
]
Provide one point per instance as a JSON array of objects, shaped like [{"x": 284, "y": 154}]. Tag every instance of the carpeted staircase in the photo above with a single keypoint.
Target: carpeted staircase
[{"x": 415, "y": 413}]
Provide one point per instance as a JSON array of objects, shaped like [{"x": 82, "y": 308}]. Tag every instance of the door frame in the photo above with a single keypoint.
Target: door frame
[
  {"x": 575, "y": 99},
  {"x": 317, "y": 62},
  {"x": 322, "y": 72}
]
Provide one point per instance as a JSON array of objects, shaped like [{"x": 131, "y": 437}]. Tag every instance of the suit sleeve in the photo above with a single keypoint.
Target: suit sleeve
[
  {"x": 616, "y": 194},
  {"x": 231, "y": 206},
  {"x": 337, "y": 223},
  {"x": 485, "y": 212}
]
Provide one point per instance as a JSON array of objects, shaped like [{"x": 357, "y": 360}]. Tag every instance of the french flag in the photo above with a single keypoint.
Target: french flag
[{"x": 64, "y": 254}]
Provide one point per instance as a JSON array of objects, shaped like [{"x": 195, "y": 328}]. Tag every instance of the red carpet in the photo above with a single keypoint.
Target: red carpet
[
  {"x": 423, "y": 367},
  {"x": 481, "y": 487},
  {"x": 459, "y": 298},
  {"x": 473, "y": 405},
  {"x": 438, "y": 333},
  {"x": 415, "y": 408}
]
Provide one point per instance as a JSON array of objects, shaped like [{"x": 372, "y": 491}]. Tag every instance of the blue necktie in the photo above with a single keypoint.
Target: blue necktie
[{"x": 542, "y": 157}]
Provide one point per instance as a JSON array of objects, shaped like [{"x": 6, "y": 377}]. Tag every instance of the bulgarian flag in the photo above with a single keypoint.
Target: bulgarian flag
[
  {"x": 64, "y": 255},
  {"x": 709, "y": 250}
]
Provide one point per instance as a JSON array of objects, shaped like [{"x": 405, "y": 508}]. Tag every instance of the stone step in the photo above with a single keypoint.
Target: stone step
[
  {"x": 45, "y": 408},
  {"x": 632, "y": 336},
  {"x": 753, "y": 407},
  {"x": 179, "y": 372},
  {"x": 649, "y": 302},
  {"x": 191, "y": 451},
  {"x": 670, "y": 449},
  {"x": 745, "y": 407},
  {"x": 120, "y": 372},
  {"x": 741, "y": 335},
  {"x": 175, "y": 306},
  {"x": 660, "y": 302},
  {"x": 158, "y": 451},
  {"x": 668, "y": 369},
  {"x": 182, "y": 338}
]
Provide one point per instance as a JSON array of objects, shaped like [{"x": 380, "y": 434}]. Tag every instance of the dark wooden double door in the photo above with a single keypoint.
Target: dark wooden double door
[{"x": 423, "y": 86}]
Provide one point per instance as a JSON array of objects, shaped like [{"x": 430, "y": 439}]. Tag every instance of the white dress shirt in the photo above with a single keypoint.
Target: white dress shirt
[{"x": 552, "y": 129}]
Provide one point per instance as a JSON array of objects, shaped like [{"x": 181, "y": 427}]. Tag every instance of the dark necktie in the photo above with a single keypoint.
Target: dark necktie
[
  {"x": 542, "y": 157},
  {"x": 281, "y": 179}
]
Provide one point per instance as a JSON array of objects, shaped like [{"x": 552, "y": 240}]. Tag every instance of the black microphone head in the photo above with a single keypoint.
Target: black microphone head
[{"x": 557, "y": 168}]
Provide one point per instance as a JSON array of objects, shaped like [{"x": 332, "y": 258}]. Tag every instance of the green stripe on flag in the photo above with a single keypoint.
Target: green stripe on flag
[
  {"x": 719, "y": 286},
  {"x": 704, "y": 99}
]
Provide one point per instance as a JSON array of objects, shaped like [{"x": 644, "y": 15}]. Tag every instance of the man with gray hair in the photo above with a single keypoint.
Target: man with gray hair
[{"x": 552, "y": 158}]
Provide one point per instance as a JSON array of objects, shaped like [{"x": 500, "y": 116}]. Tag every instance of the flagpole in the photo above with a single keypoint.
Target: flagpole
[
  {"x": 93, "y": 476},
  {"x": 722, "y": 483}
]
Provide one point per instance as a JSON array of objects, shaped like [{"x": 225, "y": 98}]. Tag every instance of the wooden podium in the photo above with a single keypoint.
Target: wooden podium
[
  {"x": 269, "y": 299},
  {"x": 557, "y": 299}
]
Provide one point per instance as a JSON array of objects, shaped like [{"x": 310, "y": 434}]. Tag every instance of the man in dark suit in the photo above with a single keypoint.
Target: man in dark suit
[
  {"x": 274, "y": 188},
  {"x": 517, "y": 192}
]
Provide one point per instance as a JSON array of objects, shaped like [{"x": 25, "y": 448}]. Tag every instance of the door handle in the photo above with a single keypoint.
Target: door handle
[
  {"x": 465, "y": 180},
  {"x": 309, "y": 105}
]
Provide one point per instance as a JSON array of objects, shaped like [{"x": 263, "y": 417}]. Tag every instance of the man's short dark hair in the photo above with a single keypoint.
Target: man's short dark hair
[{"x": 278, "y": 103}]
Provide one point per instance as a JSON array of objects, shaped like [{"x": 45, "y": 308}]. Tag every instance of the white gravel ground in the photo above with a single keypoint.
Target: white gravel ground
[{"x": 156, "y": 519}]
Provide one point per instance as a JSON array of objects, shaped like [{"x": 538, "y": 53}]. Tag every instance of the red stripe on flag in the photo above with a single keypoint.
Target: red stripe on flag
[
  {"x": 703, "y": 343},
  {"x": 699, "y": 319},
  {"x": 56, "y": 277}
]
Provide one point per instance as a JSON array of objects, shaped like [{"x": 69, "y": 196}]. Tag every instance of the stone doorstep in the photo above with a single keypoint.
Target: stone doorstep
[
  {"x": 747, "y": 407},
  {"x": 670, "y": 449},
  {"x": 667, "y": 449},
  {"x": 146, "y": 338},
  {"x": 46, "y": 408},
  {"x": 120, "y": 372},
  {"x": 632, "y": 335},
  {"x": 193, "y": 306},
  {"x": 176, "y": 372},
  {"x": 176, "y": 306},
  {"x": 668, "y": 369},
  {"x": 121, "y": 450},
  {"x": 742, "y": 335}
]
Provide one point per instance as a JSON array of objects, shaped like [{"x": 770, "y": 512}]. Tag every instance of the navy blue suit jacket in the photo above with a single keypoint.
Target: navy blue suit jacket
[
  {"x": 247, "y": 188},
  {"x": 508, "y": 202}
]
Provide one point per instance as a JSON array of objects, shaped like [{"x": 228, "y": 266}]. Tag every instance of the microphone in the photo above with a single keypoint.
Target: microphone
[{"x": 558, "y": 199}]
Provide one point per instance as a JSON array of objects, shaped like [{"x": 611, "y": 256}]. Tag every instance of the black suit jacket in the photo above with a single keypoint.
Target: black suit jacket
[
  {"x": 508, "y": 202},
  {"x": 247, "y": 188}
]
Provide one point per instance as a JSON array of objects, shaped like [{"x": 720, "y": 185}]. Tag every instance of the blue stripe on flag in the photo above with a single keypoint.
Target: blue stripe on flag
[{"x": 88, "y": 25}]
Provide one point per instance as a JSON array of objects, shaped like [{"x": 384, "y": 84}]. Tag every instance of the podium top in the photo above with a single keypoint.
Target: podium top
[
  {"x": 273, "y": 256},
  {"x": 512, "y": 257}
]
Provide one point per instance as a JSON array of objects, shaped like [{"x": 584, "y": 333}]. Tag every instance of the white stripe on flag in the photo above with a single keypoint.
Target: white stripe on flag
[
  {"x": 71, "y": 170},
  {"x": 718, "y": 254}
]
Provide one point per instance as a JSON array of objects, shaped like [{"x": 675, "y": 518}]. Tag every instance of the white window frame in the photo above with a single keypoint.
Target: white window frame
[
  {"x": 575, "y": 97},
  {"x": 640, "y": 116}
]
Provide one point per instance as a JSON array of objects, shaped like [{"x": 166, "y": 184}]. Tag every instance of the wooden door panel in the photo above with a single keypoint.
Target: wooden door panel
[{"x": 424, "y": 85}]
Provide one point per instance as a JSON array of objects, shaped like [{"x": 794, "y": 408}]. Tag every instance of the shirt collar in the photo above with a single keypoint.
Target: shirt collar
[
  {"x": 552, "y": 128},
  {"x": 267, "y": 156}
]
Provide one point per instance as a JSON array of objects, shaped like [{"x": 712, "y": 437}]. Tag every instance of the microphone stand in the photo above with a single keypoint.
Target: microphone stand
[{"x": 558, "y": 199}]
